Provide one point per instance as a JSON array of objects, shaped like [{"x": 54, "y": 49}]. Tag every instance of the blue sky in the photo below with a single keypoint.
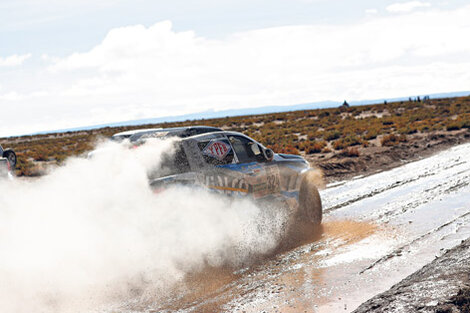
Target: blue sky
[{"x": 80, "y": 62}]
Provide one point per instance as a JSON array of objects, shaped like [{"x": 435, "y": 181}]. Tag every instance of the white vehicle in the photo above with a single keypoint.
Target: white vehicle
[
  {"x": 7, "y": 162},
  {"x": 128, "y": 134}
]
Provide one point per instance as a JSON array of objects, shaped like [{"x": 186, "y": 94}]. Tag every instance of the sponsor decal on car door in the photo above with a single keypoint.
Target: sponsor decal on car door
[{"x": 217, "y": 149}]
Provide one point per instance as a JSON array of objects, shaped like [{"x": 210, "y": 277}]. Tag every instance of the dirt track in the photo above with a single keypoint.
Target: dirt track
[
  {"x": 377, "y": 230},
  {"x": 376, "y": 158}
]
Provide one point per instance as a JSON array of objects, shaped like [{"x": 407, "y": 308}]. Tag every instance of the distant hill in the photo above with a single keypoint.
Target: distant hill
[{"x": 251, "y": 111}]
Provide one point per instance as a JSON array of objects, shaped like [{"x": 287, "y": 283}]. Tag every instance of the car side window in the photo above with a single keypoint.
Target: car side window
[
  {"x": 216, "y": 151},
  {"x": 243, "y": 149},
  {"x": 173, "y": 163}
]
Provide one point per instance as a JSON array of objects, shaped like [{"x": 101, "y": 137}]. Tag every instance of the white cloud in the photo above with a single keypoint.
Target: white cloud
[
  {"x": 403, "y": 7},
  {"x": 14, "y": 60},
  {"x": 372, "y": 11},
  {"x": 11, "y": 96},
  {"x": 15, "y": 96},
  {"x": 139, "y": 71}
]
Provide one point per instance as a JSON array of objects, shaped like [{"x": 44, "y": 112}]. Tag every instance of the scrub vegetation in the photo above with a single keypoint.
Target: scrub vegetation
[{"x": 340, "y": 131}]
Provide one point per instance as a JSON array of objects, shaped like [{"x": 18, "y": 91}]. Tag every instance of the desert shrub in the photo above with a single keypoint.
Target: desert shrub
[
  {"x": 313, "y": 135},
  {"x": 371, "y": 134},
  {"x": 332, "y": 135},
  {"x": 289, "y": 149},
  {"x": 347, "y": 141},
  {"x": 454, "y": 126},
  {"x": 392, "y": 139},
  {"x": 40, "y": 157},
  {"x": 437, "y": 126},
  {"x": 407, "y": 130},
  {"x": 24, "y": 167},
  {"x": 351, "y": 152},
  {"x": 424, "y": 128},
  {"x": 387, "y": 121},
  {"x": 313, "y": 146},
  {"x": 389, "y": 140}
]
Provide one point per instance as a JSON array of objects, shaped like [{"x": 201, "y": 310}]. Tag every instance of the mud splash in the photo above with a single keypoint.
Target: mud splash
[{"x": 283, "y": 274}]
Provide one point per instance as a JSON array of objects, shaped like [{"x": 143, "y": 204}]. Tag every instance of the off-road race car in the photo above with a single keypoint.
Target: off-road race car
[
  {"x": 7, "y": 162},
  {"x": 236, "y": 165}
]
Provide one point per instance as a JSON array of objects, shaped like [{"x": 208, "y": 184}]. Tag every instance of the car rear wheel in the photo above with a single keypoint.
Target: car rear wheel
[
  {"x": 310, "y": 207},
  {"x": 11, "y": 157}
]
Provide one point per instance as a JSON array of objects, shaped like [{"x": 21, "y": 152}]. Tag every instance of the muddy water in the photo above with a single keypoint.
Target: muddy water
[{"x": 376, "y": 231}]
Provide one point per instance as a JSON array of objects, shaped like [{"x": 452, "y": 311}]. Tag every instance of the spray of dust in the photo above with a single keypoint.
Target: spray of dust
[
  {"x": 316, "y": 176},
  {"x": 92, "y": 234}
]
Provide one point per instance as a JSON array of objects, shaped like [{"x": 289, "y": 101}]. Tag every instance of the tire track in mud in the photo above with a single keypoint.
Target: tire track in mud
[
  {"x": 399, "y": 251},
  {"x": 372, "y": 194},
  {"x": 394, "y": 185},
  {"x": 431, "y": 194},
  {"x": 430, "y": 209}
]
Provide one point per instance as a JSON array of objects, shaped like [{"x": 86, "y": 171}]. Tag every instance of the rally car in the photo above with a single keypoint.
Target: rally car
[
  {"x": 231, "y": 163},
  {"x": 7, "y": 162}
]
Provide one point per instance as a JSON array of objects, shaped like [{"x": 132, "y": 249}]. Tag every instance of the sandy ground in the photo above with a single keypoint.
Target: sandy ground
[{"x": 375, "y": 158}]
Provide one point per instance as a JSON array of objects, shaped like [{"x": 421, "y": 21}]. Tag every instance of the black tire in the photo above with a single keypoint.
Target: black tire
[
  {"x": 10, "y": 155},
  {"x": 310, "y": 207}
]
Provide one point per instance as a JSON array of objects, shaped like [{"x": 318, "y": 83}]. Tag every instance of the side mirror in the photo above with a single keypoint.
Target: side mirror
[
  {"x": 268, "y": 154},
  {"x": 11, "y": 157}
]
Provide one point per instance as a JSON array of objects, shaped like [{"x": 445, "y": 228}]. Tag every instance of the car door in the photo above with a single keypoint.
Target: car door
[
  {"x": 212, "y": 159},
  {"x": 262, "y": 177}
]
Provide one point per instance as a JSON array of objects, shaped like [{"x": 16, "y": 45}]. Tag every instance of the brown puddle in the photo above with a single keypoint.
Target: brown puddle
[
  {"x": 204, "y": 291},
  {"x": 290, "y": 277},
  {"x": 308, "y": 284},
  {"x": 348, "y": 230}
]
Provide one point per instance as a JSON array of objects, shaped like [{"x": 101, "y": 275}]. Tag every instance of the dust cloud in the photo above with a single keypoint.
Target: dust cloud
[
  {"x": 92, "y": 234},
  {"x": 317, "y": 178}
]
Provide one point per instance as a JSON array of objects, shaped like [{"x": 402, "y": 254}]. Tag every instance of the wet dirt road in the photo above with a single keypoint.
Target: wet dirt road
[{"x": 376, "y": 231}]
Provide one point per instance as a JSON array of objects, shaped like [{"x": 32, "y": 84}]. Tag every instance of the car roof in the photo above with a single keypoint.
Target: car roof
[
  {"x": 134, "y": 131},
  {"x": 181, "y": 132},
  {"x": 218, "y": 134}
]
